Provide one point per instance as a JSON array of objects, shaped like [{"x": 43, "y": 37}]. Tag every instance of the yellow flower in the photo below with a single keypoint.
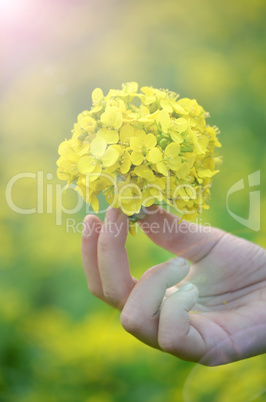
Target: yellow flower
[
  {"x": 126, "y": 133},
  {"x": 153, "y": 191},
  {"x": 110, "y": 136},
  {"x": 127, "y": 94},
  {"x": 86, "y": 122},
  {"x": 171, "y": 159},
  {"x": 144, "y": 145},
  {"x": 97, "y": 98},
  {"x": 112, "y": 117},
  {"x": 98, "y": 158},
  {"x": 160, "y": 151},
  {"x": 67, "y": 162},
  {"x": 125, "y": 163},
  {"x": 129, "y": 197}
]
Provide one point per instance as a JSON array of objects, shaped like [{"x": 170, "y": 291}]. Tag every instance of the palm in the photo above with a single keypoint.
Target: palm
[{"x": 232, "y": 295}]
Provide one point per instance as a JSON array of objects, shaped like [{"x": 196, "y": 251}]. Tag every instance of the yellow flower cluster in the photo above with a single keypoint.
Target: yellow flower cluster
[{"x": 139, "y": 149}]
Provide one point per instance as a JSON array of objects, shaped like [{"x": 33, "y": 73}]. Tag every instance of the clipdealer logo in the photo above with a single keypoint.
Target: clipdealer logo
[{"x": 50, "y": 198}]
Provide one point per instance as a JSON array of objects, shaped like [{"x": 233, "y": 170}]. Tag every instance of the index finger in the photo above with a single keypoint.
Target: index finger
[{"x": 184, "y": 238}]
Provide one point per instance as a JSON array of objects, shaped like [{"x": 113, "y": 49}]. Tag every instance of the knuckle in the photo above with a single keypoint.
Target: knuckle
[
  {"x": 112, "y": 297},
  {"x": 104, "y": 244},
  {"x": 152, "y": 271},
  {"x": 147, "y": 274},
  {"x": 94, "y": 290},
  {"x": 168, "y": 342},
  {"x": 130, "y": 322}
]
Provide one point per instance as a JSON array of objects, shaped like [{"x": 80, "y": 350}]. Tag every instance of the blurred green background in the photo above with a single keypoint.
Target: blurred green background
[{"x": 57, "y": 342}]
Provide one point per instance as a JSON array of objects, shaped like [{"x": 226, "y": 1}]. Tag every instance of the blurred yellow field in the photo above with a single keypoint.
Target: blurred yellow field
[{"x": 58, "y": 342}]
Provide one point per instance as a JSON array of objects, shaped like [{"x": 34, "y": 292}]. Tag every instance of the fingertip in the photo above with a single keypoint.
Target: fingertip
[
  {"x": 91, "y": 225},
  {"x": 115, "y": 215},
  {"x": 179, "y": 267},
  {"x": 191, "y": 292},
  {"x": 188, "y": 287},
  {"x": 153, "y": 214},
  {"x": 186, "y": 296},
  {"x": 112, "y": 214},
  {"x": 179, "y": 262},
  {"x": 115, "y": 226}
]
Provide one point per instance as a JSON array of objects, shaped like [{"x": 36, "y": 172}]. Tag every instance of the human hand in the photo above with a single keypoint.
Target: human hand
[{"x": 212, "y": 312}]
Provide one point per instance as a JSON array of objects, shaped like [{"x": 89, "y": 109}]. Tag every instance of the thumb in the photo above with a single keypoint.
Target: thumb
[
  {"x": 188, "y": 239},
  {"x": 176, "y": 335}
]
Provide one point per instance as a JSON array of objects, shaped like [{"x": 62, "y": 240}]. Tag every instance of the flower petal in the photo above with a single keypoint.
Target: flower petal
[
  {"x": 136, "y": 144},
  {"x": 87, "y": 164},
  {"x": 166, "y": 106},
  {"x": 181, "y": 125},
  {"x": 207, "y": 173},
  {"x": 165, "y": 120},
  {"x": 110, "y": 136},
  {"x": 162, "y": 168},
  {"x": 154, "y": 155},
  {"x": 126, "y": 132},
  {"x": 172, "y": 150},
  {"x": 110, "y": 157},
  {"x": 136, "y": 158},
  {"x": 183, "y": 170},
  {"x": 112, "y": 117},
  {"x": 95, "y": 174},
  {"x": 97, "y": 95},
  {"x": 150, "y": 141},
  {"x": 98, "y": 146},
  {"x": 174, "y": 163},
  {"x": 145, "y": 172},
  {"x": 125, "y": 165}
]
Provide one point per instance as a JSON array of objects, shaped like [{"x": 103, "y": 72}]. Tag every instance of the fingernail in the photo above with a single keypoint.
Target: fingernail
[
  {"x": 178, "y": 261},
  {"x": 187, "y": 287},
  {"x": 112, "y": 214}
]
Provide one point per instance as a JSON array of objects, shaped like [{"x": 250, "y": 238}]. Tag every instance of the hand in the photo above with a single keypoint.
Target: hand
[{"x": 212, "y": 312}]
